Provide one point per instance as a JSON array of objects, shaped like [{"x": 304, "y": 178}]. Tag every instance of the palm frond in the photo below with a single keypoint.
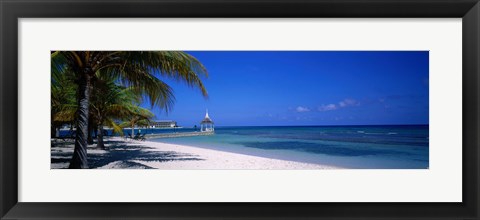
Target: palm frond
[
  {"x": 117, "y": 129},
  {"x": 141, "y": 70}
]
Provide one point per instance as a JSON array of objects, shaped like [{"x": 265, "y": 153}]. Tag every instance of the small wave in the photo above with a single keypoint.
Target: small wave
[
  {"x": 392, "y": 133},
  {"x": 361, "y": 132}
]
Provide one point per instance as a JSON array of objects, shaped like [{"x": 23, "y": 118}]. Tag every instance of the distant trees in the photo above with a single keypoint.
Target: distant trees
[{"x": 63, "y": 102}]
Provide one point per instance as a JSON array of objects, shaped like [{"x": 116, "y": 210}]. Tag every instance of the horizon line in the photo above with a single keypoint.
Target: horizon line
[{"x": 319, "y": 125}]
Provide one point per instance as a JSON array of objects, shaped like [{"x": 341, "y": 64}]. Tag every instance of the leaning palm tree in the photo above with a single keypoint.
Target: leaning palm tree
[
  {"x": 110, "y": 103},
  {"x": 132, "y": 68}
]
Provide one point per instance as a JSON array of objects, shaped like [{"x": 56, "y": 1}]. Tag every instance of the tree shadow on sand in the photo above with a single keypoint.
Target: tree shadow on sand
[{"x": 124, "y": 155}]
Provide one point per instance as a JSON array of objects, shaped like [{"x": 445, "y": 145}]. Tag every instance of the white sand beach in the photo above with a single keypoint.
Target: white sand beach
[{"x": 132, "y": 154}]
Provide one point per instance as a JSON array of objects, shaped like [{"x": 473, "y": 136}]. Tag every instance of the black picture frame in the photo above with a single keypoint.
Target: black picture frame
[{"x": 12, "y": 10}]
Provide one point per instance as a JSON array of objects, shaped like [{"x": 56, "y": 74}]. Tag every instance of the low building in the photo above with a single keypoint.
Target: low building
[{"x": 163, "y": 124}]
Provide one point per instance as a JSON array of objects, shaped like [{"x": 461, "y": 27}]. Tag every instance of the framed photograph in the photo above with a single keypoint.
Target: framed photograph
[{"x": 224, "y": 109}]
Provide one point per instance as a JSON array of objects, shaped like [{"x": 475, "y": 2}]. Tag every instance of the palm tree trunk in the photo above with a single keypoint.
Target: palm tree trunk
[
  {"x": 133, "y": 130},
  {"x": 90, "y": 131},
  {"x": 53, "y": 131},
  {"x": 79, "y": 159},
  {"x": 100, "y": 138}
]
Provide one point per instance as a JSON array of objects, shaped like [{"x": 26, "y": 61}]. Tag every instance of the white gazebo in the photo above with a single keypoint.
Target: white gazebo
[{"x": 206, "y": 125}]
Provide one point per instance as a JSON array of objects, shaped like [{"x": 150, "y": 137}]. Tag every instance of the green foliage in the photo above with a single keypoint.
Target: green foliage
[
  {"x": 111, "y": 102},
  {"x": 116, "y": 81},
  {"x": 63, "y": 92},
  {"x": 140, "y": 70},
  {"x": 122, "y": 80}
]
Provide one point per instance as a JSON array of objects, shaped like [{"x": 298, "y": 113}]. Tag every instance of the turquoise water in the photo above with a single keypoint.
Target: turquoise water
[{"x": 377, "y": 147}]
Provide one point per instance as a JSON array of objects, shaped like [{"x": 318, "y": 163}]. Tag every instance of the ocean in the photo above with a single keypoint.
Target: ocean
[{"x": 355, "y": 147}]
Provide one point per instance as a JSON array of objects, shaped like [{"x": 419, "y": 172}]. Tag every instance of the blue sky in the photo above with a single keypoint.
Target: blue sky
[{"x": 306, "y": 88}]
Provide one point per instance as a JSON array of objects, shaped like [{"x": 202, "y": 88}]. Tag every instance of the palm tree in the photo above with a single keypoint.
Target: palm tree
[
  {"x": 131, "y": 68},
  {"x": 109, "y": 102},
  {"x": 140, "y": 116}
]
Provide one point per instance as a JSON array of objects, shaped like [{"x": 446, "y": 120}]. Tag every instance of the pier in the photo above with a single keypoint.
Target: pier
[{"x": 179, "y": 134}]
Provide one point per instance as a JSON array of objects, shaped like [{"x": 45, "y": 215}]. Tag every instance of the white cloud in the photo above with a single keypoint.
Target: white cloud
[
  {"x": 348, "y": 102},
  {"x": 328, "y": 107},
  {"x": 341, "y": 104},
  {"x": 302, "y": 109}
]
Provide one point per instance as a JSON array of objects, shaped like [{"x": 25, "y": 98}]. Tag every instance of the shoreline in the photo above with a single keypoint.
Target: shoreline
[{"x": 134, "y": 154}]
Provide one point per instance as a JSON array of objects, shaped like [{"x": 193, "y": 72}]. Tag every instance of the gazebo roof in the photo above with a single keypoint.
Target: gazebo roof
[{"x": 207, "y": 119}]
